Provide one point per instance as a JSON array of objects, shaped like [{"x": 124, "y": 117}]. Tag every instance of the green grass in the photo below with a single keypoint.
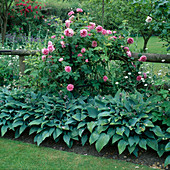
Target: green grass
[
  {"x": 155, "y": 45},
  {"x": 18, "y": 155}
]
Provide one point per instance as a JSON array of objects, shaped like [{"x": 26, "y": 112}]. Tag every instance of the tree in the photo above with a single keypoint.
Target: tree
[{"x": 4, "y": 9}]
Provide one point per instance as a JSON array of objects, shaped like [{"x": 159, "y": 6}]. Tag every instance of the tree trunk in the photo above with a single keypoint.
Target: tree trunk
[{"x": 4, "y": 26}]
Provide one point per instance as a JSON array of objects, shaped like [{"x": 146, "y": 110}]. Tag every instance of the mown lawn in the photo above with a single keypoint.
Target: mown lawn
[{"x": 18, "y": 155}]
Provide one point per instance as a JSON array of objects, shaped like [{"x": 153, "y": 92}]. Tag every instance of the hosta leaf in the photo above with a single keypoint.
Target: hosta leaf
[
  {"x": 92, "y": 112},
  {"x": 33, "y": 129},
  {"x": 91, "y": 125},
  {"x": 66, "y": 139},
  {"x": 120, "y": 131},
  {"x": 111, "y": 132},
  {"x": 22, "y": 128},
  {"x": 84, "y": 139},
  {"x": 131, "y": 148},
  {"x": 26, "y": 116},
  {"x": 142, "y": 144},
  {"x": 17, "y": 123},
  {"x": 39, "y": 139},
  {"x": 127, "y": 131},
  {"x": 158, "y": 132},
  {"x": 102, "y": 141},
  {"x": 116, "y": 138},
  {"x": 36, "y": 122},
  {"x": 148, "y": 123},
  {"x": 101, "y": 128},
  {"x": 161, "y": 149},
  {"x": 122, "y": 145},
  {"x": 93, "y": 137},
  {"x": 104, "y": 114},
  {"x": 131, "y": 140},
  {"x": 153, "y": 144},
  {"x": 81, "y": 124},
  {"x": 167, "y": 161},
  {"x": 4, "y": 130},
  {"x": 167, "y": 147},
  {"x": 133, "y": 121},
  {"x": 168, "y": 130},
  {"x": 45, "y": 134},
  {"x": 81, "y": 130},
  {"x": 57, "y": 132}
]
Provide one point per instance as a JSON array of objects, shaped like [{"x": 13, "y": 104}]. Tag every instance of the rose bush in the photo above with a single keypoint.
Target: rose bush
[{"x": 80, "y": 54}]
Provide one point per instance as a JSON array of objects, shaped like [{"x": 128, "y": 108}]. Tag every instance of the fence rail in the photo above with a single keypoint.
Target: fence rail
[{"x": 156, "y": 58}]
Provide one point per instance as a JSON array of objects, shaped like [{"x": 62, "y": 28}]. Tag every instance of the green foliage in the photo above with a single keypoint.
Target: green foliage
[{"x": 125, "y": 120}]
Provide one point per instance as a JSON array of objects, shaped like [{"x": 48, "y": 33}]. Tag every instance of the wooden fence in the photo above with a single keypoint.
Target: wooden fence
[{"x": 157, "y": 58}]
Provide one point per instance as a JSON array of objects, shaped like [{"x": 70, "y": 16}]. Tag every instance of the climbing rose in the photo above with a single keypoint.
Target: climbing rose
[
  {"x": 104, "y": 32},
  {"x": 71, "y": 13},
  {"x": 51, "y": 48},
  {"x": 114, "y": 37},
  {"x": 53, "y": 36},
  {"x": 79, "y": 10},
  {"x": 126, "y": 48},
  {"x": 86, "y": 60},
  {"x": 67, "y": 22},
  {"x": 138, "y": 78},
  {"x": 129, "y": 54},
  {"x": 94, "y": 44},
  {"x": 144, "y": 75},
  {"x": 68, "y": 32},
  {"x": 105, "y": 78},
  {"x": 130, "y": 40},
  {"x": 114, "y": 32},
  {"x": 83, "y": 50},
  {"x": 92, "y": 25},
  {"x": 83, "y": 33},
  {"x": 70, "y": 87},
  {"x": 62, "y": 37},
  {"x": 61, "y": 59},
  {"x": 45, "y": 51},
  {"x": 50, "y": 43},
  {"x": 143, "y": 58},
  {"x": 99, "y": 28},
  {"x": 43, "y": 57},
  {"x": 79, "y": 55},
  {"x": 50, "y": 70},
  {"x": 67, "y": 69},
  {"x": 109, "y": 32},
  {"x": 71, "y": 18},
  {"x": 148, "y": 19}
]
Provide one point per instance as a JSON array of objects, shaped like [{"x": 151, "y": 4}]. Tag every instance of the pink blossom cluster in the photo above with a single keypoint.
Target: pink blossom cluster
[
  {"x": 139, "y": 78},
  {"x": 142, "y": 58},
  {"x": 68, "y": 32},
  {"x": 47, "y": 50}
]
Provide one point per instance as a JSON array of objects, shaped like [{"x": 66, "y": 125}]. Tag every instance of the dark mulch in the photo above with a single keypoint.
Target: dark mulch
[{"x": 149, "y": 157}]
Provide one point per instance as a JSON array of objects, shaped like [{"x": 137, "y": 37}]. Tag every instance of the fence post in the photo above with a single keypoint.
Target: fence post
[{"x": 21, "y": 64}]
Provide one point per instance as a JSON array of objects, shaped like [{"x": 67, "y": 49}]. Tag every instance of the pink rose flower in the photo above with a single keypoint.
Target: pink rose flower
[
  {"x": 144, "y": 75},
  {"x": 86, "y": 60},
  {"x": 71, "y": 18},
  {"x": 53, "y": 36},
  {"x": 89, "y": 34},
  {"x": 67, "y": 69},
  {"x": 138, "y": 78},
  {"x": 67, "y": 22},
  {"x": 94, "y": 44},
  {"x": 130, "y": 41},
  {"x": 45, "y": 51},
  {"x": 68, "y": 32},
  {"x": 79, "y": 10},
  {"x": 105, "y": 78},
  {"x": 50, "y": 56},
  {"x": 62, "y": 37},
  {"x": 99, "y": 28},
  {"x": 143, "y": 58},
  {"x": 50, "y": 70},
  {"x": 43, "y": 57},
  {"x": 50, "y": 43},
  {"x": 60, "y": 60},
  {"x": 79, "y": 55},
  {"x": 104, "y": 32},
  {"x": 63, "y": 46},
  {"x": 129, "y": 53},
  {"x": 76, "y": 46},
  {"x": 51, "y": 48},
  {"x": 92, "y": 25},
  {"x": 148, "y": 19},
  {"x": 115, "y": 37},
  {"x": 71, "y": 13},
  {"x": 70, "y": 87},
  {"x": 133, "y": 65},
  {"x": 114, "y": 32},
  {"x": 83, "y": 50},
  {"x": 109, "y": 32},
  {"x": 126, "y": 48},
  {"x": 62, "y": 42},
  {"x": 83, "y": 33}
]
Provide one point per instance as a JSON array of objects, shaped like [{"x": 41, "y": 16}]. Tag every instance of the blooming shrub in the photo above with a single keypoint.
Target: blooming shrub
[{"x": 81, "y": 52}]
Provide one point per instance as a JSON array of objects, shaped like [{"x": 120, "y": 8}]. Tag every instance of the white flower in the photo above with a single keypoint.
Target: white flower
[
  {"x": 160, "y": 70},
  {"x": 148, "y": 19},
  {"x": 129, "y": 73},
  {"x": 143, "y": 80},
  {"x": 163, "y": 60},
  {"x": 145, "y": 84},
  {"x": 126, "y": 77},
  {"x": 159, "y": 74},
  {"x": 147, "y": 72},
  {"x": 150, "y": 77},
  {"x": 139, "y": 72},
  {"x": 117, "y": 83}
]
